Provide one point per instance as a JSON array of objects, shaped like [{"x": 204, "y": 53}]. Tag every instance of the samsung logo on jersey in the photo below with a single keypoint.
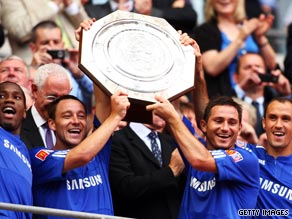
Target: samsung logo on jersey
[
  {"x": 84, "y": 183},
  {"x": 202, "y": 186},
  {"x": 276, "y": 188},
  {"x": 10, "y": 146}
]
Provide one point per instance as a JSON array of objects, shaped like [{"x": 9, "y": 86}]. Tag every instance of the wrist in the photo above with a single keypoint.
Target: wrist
[
  {"x": 262, "y": 42},
  {"x": 77, "y": 74},
  {"x": 239, "y": 42}
]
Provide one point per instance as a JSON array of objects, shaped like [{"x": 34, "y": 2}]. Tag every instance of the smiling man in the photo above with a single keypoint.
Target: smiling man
[
  {"x": 276, "y": 161},
  {"x": 14, "y": 158},
  {"x": 74, "y": 174},
  {"x": 222, "y": 177}
]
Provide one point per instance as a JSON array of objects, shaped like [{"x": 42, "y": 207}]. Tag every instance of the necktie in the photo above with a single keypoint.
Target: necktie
[
  {"x": 48, "y": 136},
  {"x": 154, "y": 146},
  {"x": 258, "y": 127}
]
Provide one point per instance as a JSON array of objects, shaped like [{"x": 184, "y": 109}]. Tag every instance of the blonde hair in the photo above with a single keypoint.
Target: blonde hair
[{"x": 239, "y": 14}]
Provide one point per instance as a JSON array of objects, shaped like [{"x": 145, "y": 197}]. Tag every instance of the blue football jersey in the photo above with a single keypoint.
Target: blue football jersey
[
  {"x": 83, "y": 189},
  {"x": 275, "y": 196},
  {"x": 236, "y": 186},
  {"x": 15, "y": 174}
]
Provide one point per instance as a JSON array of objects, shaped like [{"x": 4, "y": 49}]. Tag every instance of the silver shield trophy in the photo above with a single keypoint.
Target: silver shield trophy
[{"x": 139, "y": 54}]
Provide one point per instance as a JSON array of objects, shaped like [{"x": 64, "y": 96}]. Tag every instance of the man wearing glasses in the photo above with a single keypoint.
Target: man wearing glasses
[{"x": 50, "y": 82}]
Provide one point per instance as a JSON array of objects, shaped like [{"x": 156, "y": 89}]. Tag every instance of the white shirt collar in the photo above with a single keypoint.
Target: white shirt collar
[
  {"x": 141, "y": 130},
  {"x": 39, "y": 121}
]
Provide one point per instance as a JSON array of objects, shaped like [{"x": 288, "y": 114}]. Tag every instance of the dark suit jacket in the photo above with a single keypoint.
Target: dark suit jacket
[
  {"x": 30, "y": 133},
  {"x": 140, "y": 187}
]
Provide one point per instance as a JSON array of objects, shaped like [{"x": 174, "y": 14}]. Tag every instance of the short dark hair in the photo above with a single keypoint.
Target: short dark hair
[
  {"x": 47, "y": 24},
  {"x": 222, "y": 101},
  {"x": 53, "y": 106},
  {"x": 21, "y": 90},
  {"x": 278, "y": 99}
]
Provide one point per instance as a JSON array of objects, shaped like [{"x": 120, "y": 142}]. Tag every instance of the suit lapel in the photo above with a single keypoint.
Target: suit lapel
[
  {"x": 166, "y": 147},
  {"x": 140, "y": 145},
  {"x": 30, "y": 131}
]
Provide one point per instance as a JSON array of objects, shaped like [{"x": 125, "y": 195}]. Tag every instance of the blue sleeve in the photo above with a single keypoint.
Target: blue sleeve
[
  {"x": 188, "y": 124},
  {"x": 47, "y": 165},
  {"x": 96, "y": 122},
  {"x": 86, "y": 84},
  {"x": 238, "y": 164}
]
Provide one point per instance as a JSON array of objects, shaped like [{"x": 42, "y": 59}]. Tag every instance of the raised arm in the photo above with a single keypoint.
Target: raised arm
[
  {"x": 266, "y": 50},
  {"x": 194, "y": 151},
  {"x": 90, "y": 146},
  {"x": 200, "y": 93}
]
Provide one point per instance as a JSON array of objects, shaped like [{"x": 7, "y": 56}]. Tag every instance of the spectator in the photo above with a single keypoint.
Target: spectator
[
  {"x": 254, "y": 89},
  {"x": 143, "y": 187},
  {"x": 16, "y": 175},
  {"x": 212, "y": 169},
  {"x": 48, "y": 36},
  {"x": 20, "y": 16},
  {"x": 77, "y": 167},
  {"x": 227, "y": 35},
  {"x": 45, "y": 89},
  {"x": 14, "y": 69}
]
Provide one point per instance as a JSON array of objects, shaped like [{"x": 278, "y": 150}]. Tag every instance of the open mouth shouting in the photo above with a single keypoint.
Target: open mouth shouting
[{"x": 8, "y": 111}]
